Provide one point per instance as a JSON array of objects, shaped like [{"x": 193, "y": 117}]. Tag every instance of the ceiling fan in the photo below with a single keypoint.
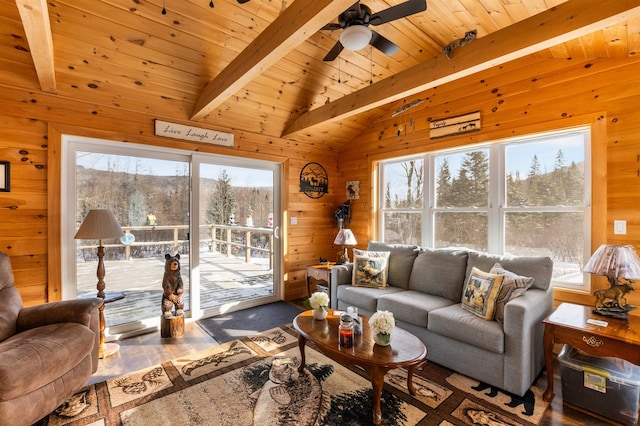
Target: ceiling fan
[{"x": 354, "y": 23}]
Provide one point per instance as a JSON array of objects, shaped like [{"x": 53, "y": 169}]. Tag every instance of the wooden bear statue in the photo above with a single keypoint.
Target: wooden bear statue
[{"x": 173, "y": 287}]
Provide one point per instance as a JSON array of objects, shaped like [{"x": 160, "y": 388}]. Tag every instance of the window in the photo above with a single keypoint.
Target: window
[
  {"x": 522, "y": 197},
  {"x": 402, "y": 189}
]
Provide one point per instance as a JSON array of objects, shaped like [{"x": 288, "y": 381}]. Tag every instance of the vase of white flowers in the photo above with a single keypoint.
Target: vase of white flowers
[
  {"x": 319, "y": 304},
  {"x": 382, "y": 323}
]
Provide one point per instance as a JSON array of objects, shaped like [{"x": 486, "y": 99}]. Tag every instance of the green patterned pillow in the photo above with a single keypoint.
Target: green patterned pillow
[
  {"x": 480, "y": 293},
  {"x": 370, "y": 268},
  {"x": 513, "y": 285}
]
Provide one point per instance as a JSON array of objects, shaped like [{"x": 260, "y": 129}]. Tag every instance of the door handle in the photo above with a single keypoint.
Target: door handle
[{"x": 276, "y": 232}]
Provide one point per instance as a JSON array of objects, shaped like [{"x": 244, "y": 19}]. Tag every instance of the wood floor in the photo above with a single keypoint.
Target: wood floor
[{"x": 150, "y": 349}]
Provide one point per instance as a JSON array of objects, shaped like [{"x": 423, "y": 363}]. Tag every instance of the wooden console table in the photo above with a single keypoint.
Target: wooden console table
[{"x": 571, "y": 324}]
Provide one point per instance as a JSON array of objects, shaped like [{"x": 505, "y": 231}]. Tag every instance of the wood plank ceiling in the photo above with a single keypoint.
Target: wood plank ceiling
[{"x": 258, "y": 66}]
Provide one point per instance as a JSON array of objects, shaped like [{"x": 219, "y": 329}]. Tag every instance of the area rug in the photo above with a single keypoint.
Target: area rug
[
  {"x": 255, "y": 381},
  {"x": 232, "y": 326}
]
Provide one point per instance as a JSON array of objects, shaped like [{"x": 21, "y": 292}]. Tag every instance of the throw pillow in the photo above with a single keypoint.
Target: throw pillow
[
  {"x": 480, "y": 293},
  {"x": 370, "y": 268},
  {"x": 513, "y": 285}
]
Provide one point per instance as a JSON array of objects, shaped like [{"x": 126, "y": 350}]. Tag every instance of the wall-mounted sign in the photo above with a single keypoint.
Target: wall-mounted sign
[
  {"x": 455, "y": 125},
  {"x": 314, "y": 181},
  {"x": 192, "y": 133}
]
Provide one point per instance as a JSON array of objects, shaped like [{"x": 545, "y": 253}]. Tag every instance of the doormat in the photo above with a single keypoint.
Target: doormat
[
  {"x": 255, "y": 381},
  {"x": 227, "y": 327}
]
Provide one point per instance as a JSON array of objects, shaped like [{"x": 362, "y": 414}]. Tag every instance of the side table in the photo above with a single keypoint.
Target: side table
[
  {"x": 574, "y": 324},
  {"x": 321, "y": 273}
]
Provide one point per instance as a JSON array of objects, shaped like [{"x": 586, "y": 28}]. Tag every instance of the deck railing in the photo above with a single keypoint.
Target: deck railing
[{"x": 230, "y": 240}]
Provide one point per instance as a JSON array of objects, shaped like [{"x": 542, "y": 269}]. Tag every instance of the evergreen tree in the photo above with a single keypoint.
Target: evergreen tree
[
  {"x": 477, "y": 165},
  {"x": 443, "y": 185},
  {"x": 535, "y": 189},
  {"x": 515, "y": 190},
  {"x": 223, "y": 202},
  {"x": 574, "y": 185}
]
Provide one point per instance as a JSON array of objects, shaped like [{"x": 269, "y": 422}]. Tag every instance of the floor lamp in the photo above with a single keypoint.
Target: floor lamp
[{"x": 101, "y": 225}]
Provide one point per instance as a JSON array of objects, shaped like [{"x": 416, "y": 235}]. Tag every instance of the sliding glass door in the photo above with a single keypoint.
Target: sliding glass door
[
  {"x": 237, "y": 207},
  {"x": 218, "y": 213}
]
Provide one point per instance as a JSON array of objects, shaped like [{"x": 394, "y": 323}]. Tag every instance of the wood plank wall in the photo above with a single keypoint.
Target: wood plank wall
[
  {"x": 523, "y": 97},
  {"x": 30, "y": 124},
  {"x": 526, "y": 96}
]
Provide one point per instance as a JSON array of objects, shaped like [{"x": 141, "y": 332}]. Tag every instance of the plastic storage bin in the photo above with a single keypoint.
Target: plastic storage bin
[{"x": 606, "y": 386}]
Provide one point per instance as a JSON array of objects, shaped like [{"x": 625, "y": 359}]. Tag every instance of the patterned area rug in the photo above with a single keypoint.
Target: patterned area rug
[{"x": 255, "y": 381}]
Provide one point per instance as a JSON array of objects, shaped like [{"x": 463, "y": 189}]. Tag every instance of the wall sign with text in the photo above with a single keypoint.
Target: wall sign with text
[
  {"x": 192, "y": 133},
  {"x": 314, "y": 180},
  {"x": 455, "y": 125}
]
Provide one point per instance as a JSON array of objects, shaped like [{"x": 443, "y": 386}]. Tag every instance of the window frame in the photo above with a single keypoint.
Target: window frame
[{"x": 497, "y": 207}]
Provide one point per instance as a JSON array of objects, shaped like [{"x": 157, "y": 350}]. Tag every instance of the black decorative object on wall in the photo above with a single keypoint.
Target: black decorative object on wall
[
  {"x": 4, "y": 176},
  {"x": 314, "y": 181}
]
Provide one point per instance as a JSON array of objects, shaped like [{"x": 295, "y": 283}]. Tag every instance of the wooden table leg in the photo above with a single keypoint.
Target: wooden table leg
[
  {"x": 376, "y": 375},
  {"x": 410, "y": 371},
  {"x": 302, "y": 342},
  {"x": 548, "y": 342}
]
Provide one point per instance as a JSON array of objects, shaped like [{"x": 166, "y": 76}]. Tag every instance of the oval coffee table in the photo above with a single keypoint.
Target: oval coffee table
[{"x": 405, "y": 350}]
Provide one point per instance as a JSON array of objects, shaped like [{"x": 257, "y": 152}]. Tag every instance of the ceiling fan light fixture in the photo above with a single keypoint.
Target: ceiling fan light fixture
[{"x": 355, "y": 37}]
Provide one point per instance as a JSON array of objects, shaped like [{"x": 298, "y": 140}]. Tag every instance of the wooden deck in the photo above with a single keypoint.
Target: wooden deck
[{"x": 223, "y": 280}]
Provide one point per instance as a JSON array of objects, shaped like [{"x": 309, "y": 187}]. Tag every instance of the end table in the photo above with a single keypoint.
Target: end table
[
  {"x": 321, "y": 273},
  {"x": 578, "y": 326}
]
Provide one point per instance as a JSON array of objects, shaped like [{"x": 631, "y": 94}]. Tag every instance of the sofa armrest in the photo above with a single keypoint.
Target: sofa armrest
[
  {"x": 79, "y": 310},
  {"x": 340, "y": 275},
  {"x": 82, "y": 311},
  {"x": 523, "y": 329}
]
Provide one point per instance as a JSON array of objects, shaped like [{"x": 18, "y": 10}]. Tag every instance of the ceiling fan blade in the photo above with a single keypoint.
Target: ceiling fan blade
[
  {"x": 331, "y": 26},
  {"x": 383, "y": 44},
  {"x": 399, "y": 11},
  {"x": 334, "y": 52}
]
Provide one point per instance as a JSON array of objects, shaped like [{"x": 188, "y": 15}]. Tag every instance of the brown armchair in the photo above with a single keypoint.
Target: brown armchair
[{"x": 47, "y": 352}]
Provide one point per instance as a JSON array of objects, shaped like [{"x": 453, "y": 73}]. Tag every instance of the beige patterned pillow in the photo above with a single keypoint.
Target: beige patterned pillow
[
  {"x": 480, "y": 293},
  {"x": 513, "y": 285},
  {"x": 370, "y": 268}
]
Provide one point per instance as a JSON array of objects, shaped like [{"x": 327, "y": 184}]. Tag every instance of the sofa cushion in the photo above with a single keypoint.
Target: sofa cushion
[
  {"x": 370, "y": 268},
  {"x": 540, "y": 268},
  {"x": 458, "y": 324},
  {"x": 363, "y": 297},
  {"x": 480, "y": 293},
  {"x": 440, "y": 272},
  {"x": 410, "y": 306},
  {"x": 52, "y": 350},
  {"x": 513, "y": 285},
  {"x": 401, "y": 259}
]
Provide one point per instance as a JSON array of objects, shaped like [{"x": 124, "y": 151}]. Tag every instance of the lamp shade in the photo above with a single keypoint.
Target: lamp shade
[
  {"x": 355, "y": 37},
  {"x": 99, "y": 225},
  {"x": 345, "y": 238},
  {"x": 614, "y": 261}
]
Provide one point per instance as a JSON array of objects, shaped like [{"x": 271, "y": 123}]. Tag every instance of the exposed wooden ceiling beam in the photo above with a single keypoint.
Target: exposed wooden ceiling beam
[
  {"x": 35, "y": 20},
  {"x": 296, "y": 23},
  {"x": 559, "y": 24}
]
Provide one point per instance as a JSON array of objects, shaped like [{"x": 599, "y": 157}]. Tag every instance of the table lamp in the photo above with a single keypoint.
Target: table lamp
[
  {"x": 614, "y": 262},
  {"x": 100, "y": 225},
  {"x": 344, "y": 238}
]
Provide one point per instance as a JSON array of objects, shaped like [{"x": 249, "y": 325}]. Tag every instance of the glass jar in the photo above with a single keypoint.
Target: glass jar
[
  {"x": 345, "y": 331},
  {"x": 357, "y": 322}
]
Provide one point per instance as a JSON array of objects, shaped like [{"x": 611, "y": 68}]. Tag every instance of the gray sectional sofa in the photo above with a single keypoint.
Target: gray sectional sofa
[{"x": 424, "y": 292}]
